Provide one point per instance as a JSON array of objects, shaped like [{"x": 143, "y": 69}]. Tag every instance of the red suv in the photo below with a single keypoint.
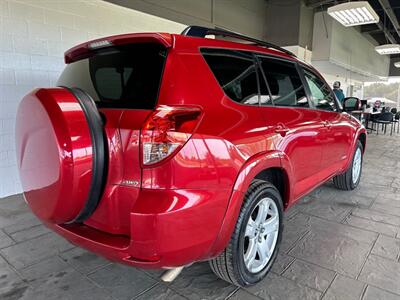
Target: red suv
[{"x": 159, "y": 150}]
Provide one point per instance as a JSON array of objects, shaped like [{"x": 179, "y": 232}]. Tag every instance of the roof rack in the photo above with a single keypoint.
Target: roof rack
[{"x": 199, "y": 31}]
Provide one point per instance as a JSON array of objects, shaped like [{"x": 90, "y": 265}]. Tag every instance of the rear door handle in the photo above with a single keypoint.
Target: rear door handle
[{"x": 282, "y": 130}]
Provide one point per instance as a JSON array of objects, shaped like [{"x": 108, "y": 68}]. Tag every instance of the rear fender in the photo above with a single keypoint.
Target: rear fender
[{"x": 250, "y": 170}]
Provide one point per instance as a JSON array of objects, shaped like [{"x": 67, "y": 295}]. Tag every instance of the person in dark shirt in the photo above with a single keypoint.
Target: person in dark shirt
[{"x": 338, "y": 91}]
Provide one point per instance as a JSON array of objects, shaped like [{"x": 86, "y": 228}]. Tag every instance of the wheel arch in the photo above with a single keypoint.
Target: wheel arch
[
  {"x": 362, "y": 137},
  {"x": 279, "y": 178},
  {"x": 266, "y": 166}
]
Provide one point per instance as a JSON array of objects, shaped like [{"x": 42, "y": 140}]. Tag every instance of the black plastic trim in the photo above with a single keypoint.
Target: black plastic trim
[
  {"x": 100, "y": 157},
  {"x": 199, "y": 31}
]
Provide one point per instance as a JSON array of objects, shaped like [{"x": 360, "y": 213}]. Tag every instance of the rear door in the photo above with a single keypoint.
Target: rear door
[
  {"x": 124, "y": 82},
  {"x": 297, "y": 127},
  {"x": 338, "y": 134}
]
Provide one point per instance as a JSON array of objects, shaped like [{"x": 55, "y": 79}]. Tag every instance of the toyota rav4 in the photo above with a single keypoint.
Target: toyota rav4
[{"x": 159, "y": 150}]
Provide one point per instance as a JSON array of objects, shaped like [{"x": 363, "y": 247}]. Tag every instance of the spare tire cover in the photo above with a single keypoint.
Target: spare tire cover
[{"x": 60, "y": 161}]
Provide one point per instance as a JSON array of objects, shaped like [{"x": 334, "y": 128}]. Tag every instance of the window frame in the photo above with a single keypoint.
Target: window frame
[
  {"x": 256, "y": 67},
  {"x": 304, "y": 68},
  {"x": 118, "y": 48},
  {"x": 301, "y": 76}
]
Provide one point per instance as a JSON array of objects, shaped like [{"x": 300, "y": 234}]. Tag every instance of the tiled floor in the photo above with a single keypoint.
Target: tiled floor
[{"x": 336, "y": 245}]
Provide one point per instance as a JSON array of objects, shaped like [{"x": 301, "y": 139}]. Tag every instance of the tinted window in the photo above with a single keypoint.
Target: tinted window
[
  {"x": 284, "y": 82},
  {"x": 127, "y": 76},
  {"x": 321, "y": 95},
  {"x": 235, "y": 72}
]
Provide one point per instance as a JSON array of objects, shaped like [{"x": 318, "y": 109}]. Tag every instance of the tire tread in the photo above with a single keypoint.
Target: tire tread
[
  {"x": 222, "y": 265},
  {"x": 344, "y": 181}
]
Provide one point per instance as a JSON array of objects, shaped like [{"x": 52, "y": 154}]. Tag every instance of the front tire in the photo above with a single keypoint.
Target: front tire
[
  {"x": 256, "y": 238},
  {"x": 350, "y": 179}
]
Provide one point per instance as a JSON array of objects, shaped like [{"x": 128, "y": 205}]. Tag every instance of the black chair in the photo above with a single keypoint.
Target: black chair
[
  {"x": 384, "y": 118},
  {"x": 397, "y": 120}
]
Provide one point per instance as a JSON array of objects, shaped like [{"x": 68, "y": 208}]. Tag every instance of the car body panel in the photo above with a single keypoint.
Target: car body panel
[{"x": 184, "y": 209}]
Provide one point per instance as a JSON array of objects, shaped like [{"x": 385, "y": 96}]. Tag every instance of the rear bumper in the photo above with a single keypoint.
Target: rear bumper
[{"x": 169, "y": 228}]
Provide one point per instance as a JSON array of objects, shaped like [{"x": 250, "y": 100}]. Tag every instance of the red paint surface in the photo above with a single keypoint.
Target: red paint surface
[{"x": 182, "y": 209}]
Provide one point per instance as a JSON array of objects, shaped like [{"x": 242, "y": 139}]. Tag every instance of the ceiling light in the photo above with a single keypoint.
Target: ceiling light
[
  {"x": 388, "y": 49},
  {"x": 353, "y": 13},
  {"x": 397, "y": 64}
]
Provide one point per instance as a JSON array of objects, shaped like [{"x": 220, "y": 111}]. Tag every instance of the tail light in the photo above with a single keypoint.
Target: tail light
[{"x": 166, "y": 130}]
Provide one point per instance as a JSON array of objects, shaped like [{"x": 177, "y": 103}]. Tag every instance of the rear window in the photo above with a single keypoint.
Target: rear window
[{"x": 119, "y": 77}]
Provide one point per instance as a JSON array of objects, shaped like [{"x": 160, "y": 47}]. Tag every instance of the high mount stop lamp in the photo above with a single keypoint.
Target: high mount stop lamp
[{"x": 353, "y": 13}]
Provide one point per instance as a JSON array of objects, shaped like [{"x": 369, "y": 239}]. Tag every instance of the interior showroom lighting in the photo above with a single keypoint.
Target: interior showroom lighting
[
  {"x": 353, "y": 13},
  {"x": 397, "y": 64},
  {"x": 388, "y": 49}
]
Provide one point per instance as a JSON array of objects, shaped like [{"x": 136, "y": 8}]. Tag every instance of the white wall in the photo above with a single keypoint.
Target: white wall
[{"x": 33, "y": 37}]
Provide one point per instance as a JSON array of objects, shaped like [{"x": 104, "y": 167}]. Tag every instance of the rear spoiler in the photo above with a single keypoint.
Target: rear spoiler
[{"x": 85, "y": 50}]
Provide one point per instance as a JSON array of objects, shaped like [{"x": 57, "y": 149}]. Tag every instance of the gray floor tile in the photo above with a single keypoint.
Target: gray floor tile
[
  {"x": 29, "y": 233},
  {"x": 70, "y": 286},
  {"x": 123, "y": 282},
  {"x": 390, "y": 209},
  {"x": 154, "y": 273},
  {"x": 335, "y": 246},
  {"x": 382, "y": 272},
  {"x": 199, "y": 282},
  {"x": 243, "y": 295},
  {"x": 45, "y": 271},
  {"x": 324, "y": 192},
  {"x": 372, "y": 178},
  {"x": 294, "y": 230},
  {"x": 329, "y": 210},
  {"x": 373, "y": 293},
  {"x": 14, "y": 292},
  {"x": 9, "y": 281},
  {"x": 5, "y": 240},
  {"x": 27, "y": 253},
  {"x": 387, "y": 247},
  {"x": 82, "y": 260},
  {"x": 276, "y": 287},
  {"x": 160, "y": 292},
  {"x": 309, "y": 275},
  {"x": 353, "y": 201},
  {"x": 376, "y": 216},
  {"x": 344, "y": 288},
  {"x": 12, "y": 218},
  {"x": 23, "y": 225},
  {"x": 378, "y": 227},
  {"x": 282, "y": 261}
]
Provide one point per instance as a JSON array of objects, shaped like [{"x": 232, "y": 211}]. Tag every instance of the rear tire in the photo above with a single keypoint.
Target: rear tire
[
  {"x": 238, "y": 263},
  {"x": 350, "y": 179}
]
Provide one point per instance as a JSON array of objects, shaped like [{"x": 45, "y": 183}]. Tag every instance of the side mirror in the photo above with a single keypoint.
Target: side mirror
[{"x": 351, "y": 103}]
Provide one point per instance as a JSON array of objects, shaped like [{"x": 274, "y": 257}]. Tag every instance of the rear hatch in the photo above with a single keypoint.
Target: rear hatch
[{"x": 122, "y": 77}]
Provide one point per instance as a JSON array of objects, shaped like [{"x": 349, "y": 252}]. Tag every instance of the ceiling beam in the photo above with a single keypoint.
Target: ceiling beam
[
  {"x": 386, "y": 32},
  {"x": 392, "y": 16},
  {"x": 318, "y": 3}
]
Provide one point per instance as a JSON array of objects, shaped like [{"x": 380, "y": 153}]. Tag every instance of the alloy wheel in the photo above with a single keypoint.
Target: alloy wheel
[{"x": 261, "y": 235}]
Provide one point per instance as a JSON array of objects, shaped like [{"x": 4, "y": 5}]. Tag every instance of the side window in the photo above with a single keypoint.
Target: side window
[
  {"x": 235, "y": 72},
  {"x": 321, "y": 95},
  {"x": 284, "y": 82}
]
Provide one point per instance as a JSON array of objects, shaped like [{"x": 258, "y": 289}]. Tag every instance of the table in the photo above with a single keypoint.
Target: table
[{"x": 367, "y": 116}]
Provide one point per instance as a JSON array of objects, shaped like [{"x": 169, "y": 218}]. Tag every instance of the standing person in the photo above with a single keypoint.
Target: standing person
[{"x": 338, "y": 91}]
